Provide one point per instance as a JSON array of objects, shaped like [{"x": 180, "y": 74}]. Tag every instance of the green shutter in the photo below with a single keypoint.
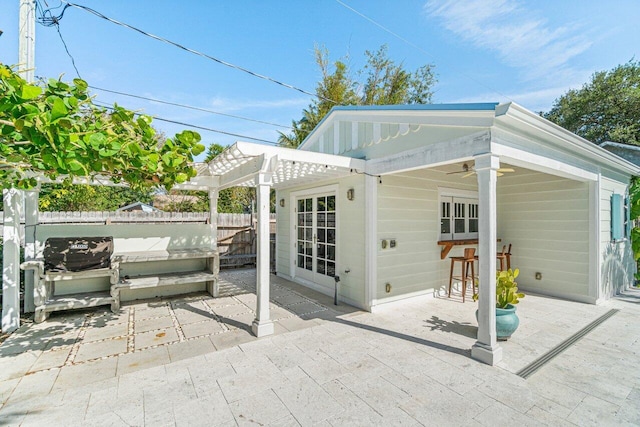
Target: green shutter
[{"x": 617, "y": 217}]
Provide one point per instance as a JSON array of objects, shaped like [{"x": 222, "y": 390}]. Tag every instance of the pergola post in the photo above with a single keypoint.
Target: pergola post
[
  {"x": 31, "y": 214},
  {"x": 486, "y": 348},
  {"x": 11, "y": 261},
  {"x": 262, "y": 325}
]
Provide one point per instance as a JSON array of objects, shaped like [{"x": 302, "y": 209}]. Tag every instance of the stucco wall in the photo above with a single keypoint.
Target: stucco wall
[{"x": 546, "y": 219}]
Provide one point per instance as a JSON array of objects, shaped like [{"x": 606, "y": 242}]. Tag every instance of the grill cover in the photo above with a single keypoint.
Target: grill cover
[{"x": 77, "y": 253}]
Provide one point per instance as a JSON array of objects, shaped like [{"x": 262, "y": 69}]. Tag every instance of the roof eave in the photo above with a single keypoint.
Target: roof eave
[{"x": 591, "y": 150}]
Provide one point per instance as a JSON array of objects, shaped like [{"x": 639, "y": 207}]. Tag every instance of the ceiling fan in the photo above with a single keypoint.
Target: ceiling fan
[{"x": 469, "y": 170}]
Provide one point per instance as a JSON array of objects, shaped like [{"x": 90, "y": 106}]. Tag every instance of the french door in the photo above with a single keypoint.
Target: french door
[{"x": 316, "y": 239}]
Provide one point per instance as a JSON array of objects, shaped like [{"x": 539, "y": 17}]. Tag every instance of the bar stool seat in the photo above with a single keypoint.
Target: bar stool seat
[{"x": 466, "y": 261}]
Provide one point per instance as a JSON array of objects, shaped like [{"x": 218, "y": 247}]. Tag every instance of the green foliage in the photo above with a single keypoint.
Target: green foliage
[
  {"x": 56, "y": 131},
  {"x": 57, "y": 198},
  {"x": 506, "y": 288},
  {"x": 605, "y": 109},
  {"x": 383, "y": 83}
]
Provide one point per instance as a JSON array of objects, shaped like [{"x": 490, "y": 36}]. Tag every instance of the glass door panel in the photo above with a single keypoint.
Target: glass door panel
[{"x": 316, "y": 238}]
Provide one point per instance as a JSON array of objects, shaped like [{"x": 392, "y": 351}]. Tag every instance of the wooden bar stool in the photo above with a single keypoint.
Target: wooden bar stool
[
  {"x": 467, "y": 260},
  {"x": 504, "y": 256}
]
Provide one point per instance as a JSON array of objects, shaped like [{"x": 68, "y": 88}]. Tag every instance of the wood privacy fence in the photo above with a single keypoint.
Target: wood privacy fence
[{"x": 236, "y": 232}]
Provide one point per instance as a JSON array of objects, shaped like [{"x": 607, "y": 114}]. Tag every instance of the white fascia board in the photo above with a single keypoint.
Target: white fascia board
[
  {"x": 525, "y": 159},
  {"x": 460, "y": 149},
  {"x": 289, "y": 154},
  {"x": 519, "y": 117}
]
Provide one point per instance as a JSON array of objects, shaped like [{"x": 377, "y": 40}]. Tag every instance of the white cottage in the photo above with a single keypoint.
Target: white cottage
[{"x": 380, "y": 196}]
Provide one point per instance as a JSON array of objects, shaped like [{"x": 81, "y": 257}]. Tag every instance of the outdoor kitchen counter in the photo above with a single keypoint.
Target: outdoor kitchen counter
[{"x": 449, "y": 244}]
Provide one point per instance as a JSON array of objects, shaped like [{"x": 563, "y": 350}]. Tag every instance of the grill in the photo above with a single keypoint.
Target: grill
[{"x": 77, "y": 253}]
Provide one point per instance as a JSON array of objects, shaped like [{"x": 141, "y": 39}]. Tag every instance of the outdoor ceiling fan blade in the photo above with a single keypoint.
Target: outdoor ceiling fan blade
[
  {"x": 500, "y": 173},
  {"x": 506, "y": 170},
  {"x": 468, "y": 174}
]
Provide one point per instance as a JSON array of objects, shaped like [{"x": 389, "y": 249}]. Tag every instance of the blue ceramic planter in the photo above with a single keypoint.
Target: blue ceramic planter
[{"x": 506, "y": 322}]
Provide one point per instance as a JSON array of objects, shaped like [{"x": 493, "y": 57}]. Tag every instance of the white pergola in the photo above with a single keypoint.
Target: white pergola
[{"x": 264, "y": 167}]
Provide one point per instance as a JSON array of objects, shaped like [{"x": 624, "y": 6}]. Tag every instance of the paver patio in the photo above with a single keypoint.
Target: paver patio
[{"x": 192, "y": 361}]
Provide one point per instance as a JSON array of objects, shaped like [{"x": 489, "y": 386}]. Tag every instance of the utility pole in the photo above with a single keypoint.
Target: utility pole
[
  {"x": 27, "y": 40},
  {"x": 14, "y": 200}
]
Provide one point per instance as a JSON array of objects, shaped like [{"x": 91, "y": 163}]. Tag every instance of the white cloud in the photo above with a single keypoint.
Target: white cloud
[{"x": 519, "y": 38}]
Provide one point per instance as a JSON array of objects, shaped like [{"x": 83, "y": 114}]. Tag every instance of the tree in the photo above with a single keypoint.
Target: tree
[
  {"x": 384, "y": 83},
  {"x": 56, "y": 198},
  {"x": 605, "y": 109},
  {"x": 54, "y": 130}
]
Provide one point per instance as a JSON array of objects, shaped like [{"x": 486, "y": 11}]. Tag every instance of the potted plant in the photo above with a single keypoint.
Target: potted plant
[{"x": 507, "y": 296}]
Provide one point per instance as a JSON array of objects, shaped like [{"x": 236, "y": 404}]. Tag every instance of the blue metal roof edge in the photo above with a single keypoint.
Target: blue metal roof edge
[
  {"x": 419, "y": 107},
  {"x": 477, "y": 106}
]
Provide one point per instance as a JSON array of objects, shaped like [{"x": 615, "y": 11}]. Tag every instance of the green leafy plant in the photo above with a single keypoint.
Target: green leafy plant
[
  {"x": 54, "y": 130},
  {"x": 506, "y": 288}
]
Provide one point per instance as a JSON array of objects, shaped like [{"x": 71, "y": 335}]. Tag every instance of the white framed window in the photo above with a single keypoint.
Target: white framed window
[{"x": 458, "y": 211}]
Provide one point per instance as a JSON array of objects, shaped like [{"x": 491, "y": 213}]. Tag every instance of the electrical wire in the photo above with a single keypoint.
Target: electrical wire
[
  {"x": 396, "y": 35},
  {"x": 55, "y": 21},
  {"x": 193, "y": 51},
  {"x": 162, "y": 119},
  {"x": 189, "y": 107},
  {"x": 73, "y": 62}
]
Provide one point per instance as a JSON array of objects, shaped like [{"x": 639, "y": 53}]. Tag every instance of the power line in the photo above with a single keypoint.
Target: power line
[
  {"x": 195, "y": 52},
  {"x": 104, "y": 104},
  {"x": 48, "y": 20},
  {"x": 189, "y": 107},
  {"x": 377, "y": 24}
]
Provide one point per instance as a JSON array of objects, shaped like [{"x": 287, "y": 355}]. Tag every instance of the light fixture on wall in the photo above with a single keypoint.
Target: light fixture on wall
[
  {"x": 282, "y": 203},
  {"x": 350, "y": 194}
]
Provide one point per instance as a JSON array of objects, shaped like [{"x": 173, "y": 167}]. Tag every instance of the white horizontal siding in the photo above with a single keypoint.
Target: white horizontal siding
[
  {"x": 408, "y": 212},
  {"x": 350, "y": 250},
  {"x": 546, "y": 219},
  {"x": 618, "y": 265}
]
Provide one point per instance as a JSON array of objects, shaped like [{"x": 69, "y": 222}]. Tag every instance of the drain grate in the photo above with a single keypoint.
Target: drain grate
[{"x": 533, "y": 367}]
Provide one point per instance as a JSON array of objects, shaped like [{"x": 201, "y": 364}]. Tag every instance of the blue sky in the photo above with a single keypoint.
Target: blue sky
[{"x": 529, "y": 52}]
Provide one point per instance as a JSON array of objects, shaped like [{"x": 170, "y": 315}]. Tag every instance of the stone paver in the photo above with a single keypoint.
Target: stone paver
[{"x": 408, "y": 364}]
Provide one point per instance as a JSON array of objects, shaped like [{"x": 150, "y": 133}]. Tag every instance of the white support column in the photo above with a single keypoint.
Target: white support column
[
  {"x": 262, "y": 325},
  {"x": 486, "y": 348},
  {"x": 371, "y": 239},
  {"x": 11, "y": 260},
  {"x": 30, "y": 223},
  {"x": 213, "y": 217}
]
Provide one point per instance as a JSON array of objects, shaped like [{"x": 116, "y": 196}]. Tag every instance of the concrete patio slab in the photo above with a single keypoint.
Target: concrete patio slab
[{"x": 407, "y": 364}]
